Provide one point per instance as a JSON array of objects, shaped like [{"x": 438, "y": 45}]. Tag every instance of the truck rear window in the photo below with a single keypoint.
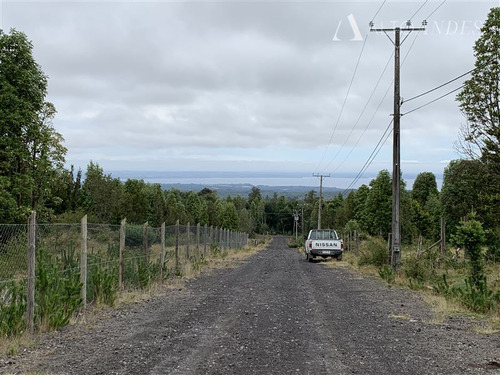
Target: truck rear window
[{"x": 323, "y": 235}]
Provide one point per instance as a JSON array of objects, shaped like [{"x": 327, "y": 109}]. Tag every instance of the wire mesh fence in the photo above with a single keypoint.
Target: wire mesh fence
[{"x": 48, "y": 271}]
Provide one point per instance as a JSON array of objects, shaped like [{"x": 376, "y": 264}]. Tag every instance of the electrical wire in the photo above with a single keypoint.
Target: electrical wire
[
  {"x": 362, "y": 112},
  {"x": 372, "y": 156},
  {"x": 378, "y": 11},
  {"x": 373, "y": 116},
  {"x": 438, "y": 87},
  {"x": 418, "y": 10},
  {"x": 433, "y": 101},
  {"x": 435, "y": 10},
  {"x": 349, "y": 89},
  {"x": 345, "y": 101}
]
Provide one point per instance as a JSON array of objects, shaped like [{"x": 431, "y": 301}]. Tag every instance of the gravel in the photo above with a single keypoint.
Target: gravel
[{"x": 274, "y": 314}]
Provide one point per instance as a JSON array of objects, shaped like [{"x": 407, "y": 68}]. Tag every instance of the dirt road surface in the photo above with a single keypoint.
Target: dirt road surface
[{"x": 274, "y": 314}]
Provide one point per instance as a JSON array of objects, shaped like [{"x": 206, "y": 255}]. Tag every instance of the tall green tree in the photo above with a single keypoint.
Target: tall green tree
[
  {"x": 378, "y": 207},
  {"x": 425, "y": 185},
  {"x": 479, "y": 99},
  {"x": 31, "y": 151},
  {"x": 465, "y": 189},
  {"x": 102, "y": 195}
]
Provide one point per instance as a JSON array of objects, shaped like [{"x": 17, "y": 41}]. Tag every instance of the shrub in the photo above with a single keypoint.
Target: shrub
[
  {"x": 373, "y": 252},
  {"x": 415, "y": 269},
  {"x": 387, "y": 273}
]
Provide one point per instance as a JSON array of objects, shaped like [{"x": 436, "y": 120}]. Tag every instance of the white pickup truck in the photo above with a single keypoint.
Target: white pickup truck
[{"x": 323, "y": 243}]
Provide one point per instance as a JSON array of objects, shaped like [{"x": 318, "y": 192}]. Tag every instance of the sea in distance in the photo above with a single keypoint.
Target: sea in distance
[{"x": 278, "y": 181}]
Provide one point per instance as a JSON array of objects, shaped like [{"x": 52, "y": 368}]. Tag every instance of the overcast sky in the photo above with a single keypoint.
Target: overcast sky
[{"x": 249, "y": 86}]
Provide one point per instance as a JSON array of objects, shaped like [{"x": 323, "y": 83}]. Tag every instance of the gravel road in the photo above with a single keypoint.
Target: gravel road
[{"x": 274, "y": 314}]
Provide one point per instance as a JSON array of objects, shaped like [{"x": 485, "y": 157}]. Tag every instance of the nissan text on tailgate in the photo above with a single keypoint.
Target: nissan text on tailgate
[{"x": 323, "y": 243}]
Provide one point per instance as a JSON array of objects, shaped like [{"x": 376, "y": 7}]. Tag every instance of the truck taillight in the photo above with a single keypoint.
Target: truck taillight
[
  {"x": 342, "y": 245},
  {"x": 310, "y": 245}
]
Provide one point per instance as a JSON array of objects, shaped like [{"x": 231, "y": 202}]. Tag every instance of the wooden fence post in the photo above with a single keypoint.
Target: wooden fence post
[
  {"x": 443, "y": 236},
  {"x": 145, "y": 241},
  {"x": 30, "y": 298},
  {"x": 162, "y": 242},
  {"x": 205, "y": 231},
  {"x": 188, "y": 234},
  {"x": 83, "y": 261},
  {"x": 177, "y": 246},
  {"x": 198, "y": 240},
  {"x": 122, "y": 249}
]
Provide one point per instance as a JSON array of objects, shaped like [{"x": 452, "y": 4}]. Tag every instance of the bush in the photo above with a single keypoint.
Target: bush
[
  {"x": 57, "y": 295},
  {"x": 415, "y": 269},
  {"x": 373, "y": 252},
  {"x": 295, "y": 243},
  {"x": 387, "y": 273}
]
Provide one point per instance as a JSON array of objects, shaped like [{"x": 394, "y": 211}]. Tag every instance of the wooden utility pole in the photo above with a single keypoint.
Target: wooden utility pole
[
  {"x": 321, "y": 176},
  {"x": 396, "y": 152}
]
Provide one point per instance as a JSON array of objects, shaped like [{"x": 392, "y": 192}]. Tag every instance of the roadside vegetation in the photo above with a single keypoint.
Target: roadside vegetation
[{"x": 59, "y": 302}]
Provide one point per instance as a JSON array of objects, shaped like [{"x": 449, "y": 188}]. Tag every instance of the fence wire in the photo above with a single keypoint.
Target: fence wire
[{"x": 142, "y": 256}]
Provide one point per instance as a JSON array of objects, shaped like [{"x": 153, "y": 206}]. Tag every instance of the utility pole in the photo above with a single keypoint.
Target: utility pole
[
  {"x": 396, "y": 151},
  {"x": 321, "y": 176}
]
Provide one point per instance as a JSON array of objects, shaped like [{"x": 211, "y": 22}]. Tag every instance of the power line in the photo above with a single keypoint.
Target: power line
[
  {"x": 435, "y": 10},
  {"x": 362, "y": 112},
  {"x": 433, "y": 101},
  {"x": 378, "y": 11},
  {"x": 372, "y": 156},
  {"x": 349, "y": 89},
  {"x": 418, "y": 10},
  {"x": 345, "y": 101},
  {"x": 376, "y": 111},
  {"x": 438, "y": 87}
]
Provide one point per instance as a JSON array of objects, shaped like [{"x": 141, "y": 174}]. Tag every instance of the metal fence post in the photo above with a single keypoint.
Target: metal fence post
[
  {"x": 83, "y": 261},
  {"x": 30, "y": 302}
]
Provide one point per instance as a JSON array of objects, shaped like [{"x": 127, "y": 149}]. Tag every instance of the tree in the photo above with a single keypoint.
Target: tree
[
  {"x": 464, "y": 190},
  {"x": 425, "y": 185},
  {"x": 134, "y": 202},
  {"x": 379, "y": 204},
  {"x": 31, "y": 151},
  {"x": 480, "y": 98},
  {"x": 425, "y": 206},
  {"x": 228, "y": 216},
  {"x": 101, "y": 195}
]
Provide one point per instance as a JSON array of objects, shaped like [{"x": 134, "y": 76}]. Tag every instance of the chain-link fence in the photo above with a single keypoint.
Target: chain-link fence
[{"x": 48, "y": 271}]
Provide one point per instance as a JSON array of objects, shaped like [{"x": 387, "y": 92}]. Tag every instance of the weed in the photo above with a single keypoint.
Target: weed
[{"x": 386, "y": 273}]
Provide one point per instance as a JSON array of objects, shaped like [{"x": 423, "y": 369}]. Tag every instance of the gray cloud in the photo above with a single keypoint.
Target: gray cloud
[{"x": 178, "y": 81}]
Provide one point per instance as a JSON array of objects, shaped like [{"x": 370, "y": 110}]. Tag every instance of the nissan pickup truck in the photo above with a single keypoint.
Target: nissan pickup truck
[{"x": 323, "y": 243}]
